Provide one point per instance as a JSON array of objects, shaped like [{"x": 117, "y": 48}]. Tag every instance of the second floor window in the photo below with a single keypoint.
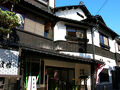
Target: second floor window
[
  {"x": 48, "y": 32},
  {"x": 104, "y": 40},
  {"x": 73, "y": 32}
]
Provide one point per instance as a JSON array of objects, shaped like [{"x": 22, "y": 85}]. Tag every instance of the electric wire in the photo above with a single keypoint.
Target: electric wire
[{"x": 102, "y": 6}]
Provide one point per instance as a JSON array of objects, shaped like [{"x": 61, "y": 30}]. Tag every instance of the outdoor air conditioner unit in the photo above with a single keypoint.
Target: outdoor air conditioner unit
[{"x": 79, "y": 35}]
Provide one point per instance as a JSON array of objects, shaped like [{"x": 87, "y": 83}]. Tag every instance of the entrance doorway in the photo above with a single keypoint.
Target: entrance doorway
[
  {"x": 33, "y": 68},
  {"x": 59, "y": 78}
]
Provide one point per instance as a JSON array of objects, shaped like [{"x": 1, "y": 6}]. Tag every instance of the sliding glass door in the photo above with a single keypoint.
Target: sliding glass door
[{"x": 59, "y": 78}]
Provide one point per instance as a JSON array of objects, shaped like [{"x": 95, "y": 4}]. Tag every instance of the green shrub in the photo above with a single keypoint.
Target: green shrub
[{"x": 8, "y": 21}]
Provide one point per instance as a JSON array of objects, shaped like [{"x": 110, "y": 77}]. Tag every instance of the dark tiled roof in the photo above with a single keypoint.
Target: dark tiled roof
[
  {"x": 48, "y": 11},
  {"x": 98, "y": 20},
  {"x": 40, "y": 5},
  {"x": 64, "y": 56},
  {"x": 106, "y": 27}
]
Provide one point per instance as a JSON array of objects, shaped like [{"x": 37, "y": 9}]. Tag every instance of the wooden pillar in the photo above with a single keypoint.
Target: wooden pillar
[
  {"x": 92, "y": 77},
  {"x": 21, "y": 65}
]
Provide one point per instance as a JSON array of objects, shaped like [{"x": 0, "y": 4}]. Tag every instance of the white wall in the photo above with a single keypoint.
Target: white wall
[
  {"x": 59, "y": 31},
  {"x": 96, "y": 39},
  {"x": 52, "y": 3},
  {"x": 112, "y": 45},
  {"x": 71, "y": 14},
  {"x": 89, "y": 36}
]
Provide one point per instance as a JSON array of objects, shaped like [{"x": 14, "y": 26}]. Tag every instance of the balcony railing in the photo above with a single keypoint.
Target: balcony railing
[
  {"x": 33, "y": 40},
  {"x": 27, "y": 39},
  {"x": 69, "y": 46}
]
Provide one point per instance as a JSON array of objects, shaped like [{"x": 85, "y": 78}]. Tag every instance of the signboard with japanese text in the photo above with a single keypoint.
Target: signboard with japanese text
[{"x": 8, "y": 62}]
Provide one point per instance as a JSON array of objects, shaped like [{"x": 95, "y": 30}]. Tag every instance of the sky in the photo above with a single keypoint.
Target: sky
[{"x": 110, "y": 12}]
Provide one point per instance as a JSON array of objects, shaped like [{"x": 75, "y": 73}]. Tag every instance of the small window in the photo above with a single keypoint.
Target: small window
[
  {"x": 104, "y": 41},
  {"x": 71, "y": 32},
  {"x": 74, "y": 32},
  {"x": 104, "y": 76},
  {"x": 46, "y": 33}
]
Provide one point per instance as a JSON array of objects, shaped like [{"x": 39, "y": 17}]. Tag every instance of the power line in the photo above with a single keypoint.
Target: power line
[{"x": 102, "y": 6}]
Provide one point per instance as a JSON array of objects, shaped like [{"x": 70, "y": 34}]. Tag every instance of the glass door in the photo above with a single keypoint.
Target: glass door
[{"x": 59, "y": 78}]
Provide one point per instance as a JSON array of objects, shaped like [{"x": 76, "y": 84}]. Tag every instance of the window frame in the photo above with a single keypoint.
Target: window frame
[
  {"x": 76, "y": 29},
  {"x": 103, "y": 45},
  {"x": 48, "y": 30}
]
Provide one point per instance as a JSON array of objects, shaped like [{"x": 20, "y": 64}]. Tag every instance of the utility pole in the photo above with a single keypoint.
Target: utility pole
[{"x": 94, "y": 28}]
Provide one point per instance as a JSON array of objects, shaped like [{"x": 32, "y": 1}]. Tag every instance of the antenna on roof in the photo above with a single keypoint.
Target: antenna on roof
[{"x": 81, "y": 3}]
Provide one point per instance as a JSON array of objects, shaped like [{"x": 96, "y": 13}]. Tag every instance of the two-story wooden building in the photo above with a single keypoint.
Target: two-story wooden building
[
  {"x": 61, "y": 48},
  {"x": 100, "y": 40}
]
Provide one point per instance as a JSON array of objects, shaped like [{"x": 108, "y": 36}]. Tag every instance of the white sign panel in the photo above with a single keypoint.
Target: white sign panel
[
  {"x": 8, "y": 62},
  {"x": 32, "y": 83}
]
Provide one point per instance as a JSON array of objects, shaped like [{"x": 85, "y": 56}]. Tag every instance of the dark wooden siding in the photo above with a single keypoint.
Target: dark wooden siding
[
  {"x": 69, "y": 46},
  {"x": 33, "y": 40},
  {"x": 118, "y": 57},
  {"x": 100, "y": 51},
  {"x": 30, "y": 40}
]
